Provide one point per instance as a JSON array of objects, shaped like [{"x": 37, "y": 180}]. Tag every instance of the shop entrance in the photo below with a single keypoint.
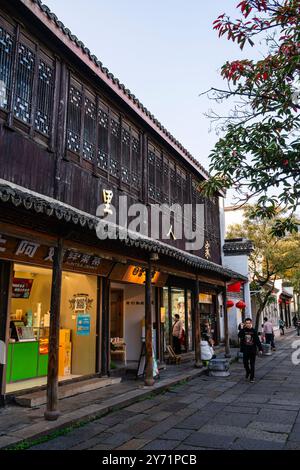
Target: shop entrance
[
  {"x": 29, "y": 322},
  {"x": 116, "y": 314},
  {"x": 118, "y": 345}
]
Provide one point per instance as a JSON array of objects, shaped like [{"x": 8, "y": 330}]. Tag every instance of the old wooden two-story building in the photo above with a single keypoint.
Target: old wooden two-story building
[{"x": 72, "y": 137}]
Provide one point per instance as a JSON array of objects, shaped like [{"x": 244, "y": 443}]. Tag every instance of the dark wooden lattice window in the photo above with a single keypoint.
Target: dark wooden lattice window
[
  {"x": 173, "y": 183},
  {"x": 103, "y": 120},
  {"x": 135, "y": 159},
  {"x": 44, "y": 101},
  {"x": 74, "y": 119},
  {"x": 151, "y": 171},
  {"x": 185, "y": 188},
  {"x": 6, "y": 65},
  {"x": 114, "y": 164},
  {"x": 166, "y": 181},
  {"x": 179, "y": 185},
  {"x": 158, "y": 178},
  {"x": 126, "y": 140},
  {"x": 89, "y": 127},
  {"x": 24, "y": 82}
]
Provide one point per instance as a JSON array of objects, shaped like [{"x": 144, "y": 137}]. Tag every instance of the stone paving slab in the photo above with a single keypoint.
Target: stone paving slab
[
  {"x": 249, "y": 433},
  {"x": 256, "y": 444},
  {"x": 134, "y": 444},
  {"x": 160, "y": 444},
  {"x": 203, "y": 439}
]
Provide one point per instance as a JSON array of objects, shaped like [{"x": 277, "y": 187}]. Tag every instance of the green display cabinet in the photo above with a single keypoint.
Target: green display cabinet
[
  {"x": 9, "y": 362},
  {"x": 23, "y": 361}
]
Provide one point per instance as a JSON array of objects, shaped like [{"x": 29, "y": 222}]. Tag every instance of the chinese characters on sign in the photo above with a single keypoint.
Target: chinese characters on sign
[
  {"x": 207, "y": 250},
  {"x": 29, "y": 251},
  {"x": 107, "y": 198},
  {"x": 27, "y": 248},
  {"x": 21, "y": 288}
]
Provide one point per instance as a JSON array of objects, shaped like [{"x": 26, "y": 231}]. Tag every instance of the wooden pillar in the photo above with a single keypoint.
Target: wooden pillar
[
  {"x": 105, "y": 327},
  {"x": 98, "y": 324},
  {"x": 218, "y": 321},
  {"x": 149, "y": 381},
  {"x": 5, "y": 293},
  {"x": 198, "y": 362},
  {"x": 52, "y": 412},
  {"x": 186, "y": 319},
  {"x": 226, "y": 330},
  {"x": 170, "y": 316},
  {"x": 157, "y": 321}
]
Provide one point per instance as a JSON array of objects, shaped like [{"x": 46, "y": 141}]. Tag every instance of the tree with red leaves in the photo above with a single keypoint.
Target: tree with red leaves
[{"x": 260, "y": 148}]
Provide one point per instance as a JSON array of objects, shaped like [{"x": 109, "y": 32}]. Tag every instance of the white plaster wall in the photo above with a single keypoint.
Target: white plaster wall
[
  {"x": 234, "y": 318},
  {"x": 222, "y": 224},
  {"x": 239, "y": 263}
]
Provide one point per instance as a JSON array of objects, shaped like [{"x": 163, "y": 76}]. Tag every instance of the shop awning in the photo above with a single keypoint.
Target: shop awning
[{"x": 23, "y": 198}]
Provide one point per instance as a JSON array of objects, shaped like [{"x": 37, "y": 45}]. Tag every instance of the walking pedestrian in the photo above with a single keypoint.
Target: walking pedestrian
[
  {"x": 294, "y": 320},
  {"x": 176, "y": 333},
  {"x": 269, "y": 333},
  {"x": 250, "y": 342},
  {"x": 298, "y": 326},
  {"x": 281, "y": 326}
]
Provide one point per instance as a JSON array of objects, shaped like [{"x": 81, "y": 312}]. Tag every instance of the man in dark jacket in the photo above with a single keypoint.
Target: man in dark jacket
[{"x": 249, "y": 344}]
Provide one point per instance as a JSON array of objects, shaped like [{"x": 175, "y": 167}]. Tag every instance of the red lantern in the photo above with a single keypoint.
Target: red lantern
[
  {"x": 240, "y": 304},
  {"x": 229, "y": 303}
]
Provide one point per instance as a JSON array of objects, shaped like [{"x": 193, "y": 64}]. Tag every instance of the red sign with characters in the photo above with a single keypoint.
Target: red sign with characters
[{"x": 21, "y": 288}]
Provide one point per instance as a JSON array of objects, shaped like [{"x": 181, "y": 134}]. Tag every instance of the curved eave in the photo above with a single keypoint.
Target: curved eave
[{"x": 34, "y": 202}]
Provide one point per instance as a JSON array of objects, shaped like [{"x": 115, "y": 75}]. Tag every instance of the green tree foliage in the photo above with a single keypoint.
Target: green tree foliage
[
  {"x": 259, "y": 152},
  {"x": 272, "y": 258}
]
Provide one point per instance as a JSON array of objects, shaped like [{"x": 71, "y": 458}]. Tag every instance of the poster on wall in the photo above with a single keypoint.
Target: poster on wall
[
  {"x": 21, "y": 288},
  {"x": 83, "y": 325}
]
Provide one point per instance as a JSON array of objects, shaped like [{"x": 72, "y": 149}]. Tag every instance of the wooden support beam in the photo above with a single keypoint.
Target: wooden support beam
[
  {"x": 149, "y": 380},
  {"x": 158, "y": 324},
  {"x": 5, "y": 294},
  {"x": 218, "y": 322},
  {"x": 105, "y": 327},
  {"x": 98, "y": 324},
  {"x": 226, "y": 329},
  {"x": 198, "y": 362},
  {"x": 52, "y": 412}
]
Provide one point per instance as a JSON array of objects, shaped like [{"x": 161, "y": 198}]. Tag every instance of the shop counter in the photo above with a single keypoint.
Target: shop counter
[{"x": 24, "y": 361}]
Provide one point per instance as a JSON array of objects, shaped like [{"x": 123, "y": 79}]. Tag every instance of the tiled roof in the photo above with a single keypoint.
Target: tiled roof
[
  {"x": 237, "y": 246},
  {"x": 23, "y": 198},
  {"x": 114, "y": 81}
]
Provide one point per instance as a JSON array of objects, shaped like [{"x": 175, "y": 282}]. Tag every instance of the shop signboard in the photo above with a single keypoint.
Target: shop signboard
[
  {"x": 205, "y": 299},
  {"x": 21, "y": 288},
  {"x": 28, "y": 251},
  {"x": 83, "y": 325}
]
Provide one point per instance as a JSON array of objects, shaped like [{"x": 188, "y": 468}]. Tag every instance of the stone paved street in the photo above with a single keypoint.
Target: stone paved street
[{"x": 206, "y": 413}]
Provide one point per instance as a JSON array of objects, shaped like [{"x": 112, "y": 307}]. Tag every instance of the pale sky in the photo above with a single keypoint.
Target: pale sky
[{"x": 165, "y": 52}]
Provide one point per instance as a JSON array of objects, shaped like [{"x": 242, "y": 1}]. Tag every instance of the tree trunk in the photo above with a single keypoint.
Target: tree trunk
[{"x": 260, "y": 310}]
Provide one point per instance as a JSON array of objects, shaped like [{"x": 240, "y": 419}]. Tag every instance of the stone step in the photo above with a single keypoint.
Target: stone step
[{"x": 34, "y": 399}]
